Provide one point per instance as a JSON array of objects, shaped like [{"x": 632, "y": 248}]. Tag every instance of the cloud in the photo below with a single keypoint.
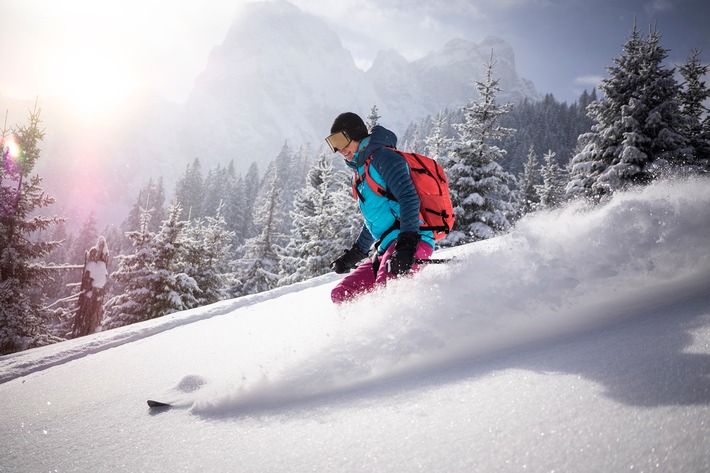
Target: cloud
[
  {"x": 655, "y": 6},
  {"x": 588, "y": 80}
]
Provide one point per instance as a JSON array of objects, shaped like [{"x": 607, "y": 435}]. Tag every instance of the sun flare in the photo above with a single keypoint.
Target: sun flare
[
  {"x": 10, "y": 148},
  {"x": 91, "y": 83}
]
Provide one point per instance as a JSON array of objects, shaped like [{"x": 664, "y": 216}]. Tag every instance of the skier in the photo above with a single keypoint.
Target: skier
[{"x": 391, "y": 227}]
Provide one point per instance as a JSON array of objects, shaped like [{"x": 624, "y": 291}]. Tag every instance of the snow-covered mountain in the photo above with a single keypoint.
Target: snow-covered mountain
[
  {"x": 282, "y": 75},
  {"x": 449, "y": 74},
  {"x": 445, "y": 78},
  {"x": 579, "y": 342}
]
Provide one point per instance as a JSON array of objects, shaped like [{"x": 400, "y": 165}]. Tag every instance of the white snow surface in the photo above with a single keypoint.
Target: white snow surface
[{"x": 579, "y": 342}]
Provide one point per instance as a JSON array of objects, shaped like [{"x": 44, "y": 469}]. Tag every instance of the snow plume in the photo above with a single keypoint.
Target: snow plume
[{"x": 557, "y": 272}]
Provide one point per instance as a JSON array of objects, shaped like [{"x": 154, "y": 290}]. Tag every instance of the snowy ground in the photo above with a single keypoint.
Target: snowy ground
[{"x": 580, "y": 342}]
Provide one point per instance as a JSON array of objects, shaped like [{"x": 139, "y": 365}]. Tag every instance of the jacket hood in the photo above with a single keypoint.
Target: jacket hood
[{"x": 380, "y": 137}]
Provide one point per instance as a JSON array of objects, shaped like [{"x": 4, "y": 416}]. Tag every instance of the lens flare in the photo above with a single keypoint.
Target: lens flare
[{"x": 10, "y": 148}]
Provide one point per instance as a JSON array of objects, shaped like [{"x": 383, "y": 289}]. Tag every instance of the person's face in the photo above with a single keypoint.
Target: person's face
[{"x": 349, "y": 151}]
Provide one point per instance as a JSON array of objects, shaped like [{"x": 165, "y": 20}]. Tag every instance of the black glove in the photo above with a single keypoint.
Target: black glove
[
  {"x": 348, "y": 260},
  {"x": 402, "y": 259}
]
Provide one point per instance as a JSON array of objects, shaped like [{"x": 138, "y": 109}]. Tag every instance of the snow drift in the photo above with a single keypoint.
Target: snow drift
[{"x": 558, "y": 271}]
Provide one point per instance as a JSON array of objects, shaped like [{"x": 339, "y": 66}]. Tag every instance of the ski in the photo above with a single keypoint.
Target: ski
[{"x": 157, "y": 404}]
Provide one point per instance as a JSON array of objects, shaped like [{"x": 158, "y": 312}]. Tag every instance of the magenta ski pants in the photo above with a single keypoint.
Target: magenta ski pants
[{"x": 364, "y": 278}]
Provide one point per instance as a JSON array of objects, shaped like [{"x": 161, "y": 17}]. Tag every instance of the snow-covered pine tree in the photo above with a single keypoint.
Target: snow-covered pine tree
[
  {"x": 373, "y": 119},
  {"x": 551, "y": 190},
  {"x": 55, "y": 288},
  {"x": 693, "y": 96},
  {"x": 151, "y": 196},
  {"x": 251, "y": 188},
  {"x": 544, "y": 124},
  {"x": 289, "y": 175},
  {"x": 85, "y": 239},
  {"x": 174, "y": 290},
  {"x": 208, "y": 256},
  {"x": 215, "y": 188},
  {"x": 190, "y": 192},
  {"x": 234, "y": 209},
  {"x": 528, "y": 198},
  {"x": 437, "y": 143},
  {"x": 479, "y": 185},
  {"x": 157, "y": 202},
  {"x": 152, "y": 277},
  {"x": 133, "y": 290},
  {"x": 637, "y": 123},
  {"x": 317, "y": 220},
  {"x": 22, "y": 320},
  {"x": 258, "y": 269},
  {"x": 416, "y": 143}
]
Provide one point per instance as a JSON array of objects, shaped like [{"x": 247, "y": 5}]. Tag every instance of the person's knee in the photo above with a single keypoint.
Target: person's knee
[{"x": 338, "y": 295}]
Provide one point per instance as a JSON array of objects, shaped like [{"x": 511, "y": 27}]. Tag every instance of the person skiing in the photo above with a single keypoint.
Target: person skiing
[{"x": 391, "y": 226}]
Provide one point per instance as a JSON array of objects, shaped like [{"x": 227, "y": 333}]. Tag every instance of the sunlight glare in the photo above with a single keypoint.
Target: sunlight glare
[
  {"x": 10, "y": 148},
  {"x": 91, "y": 83}
]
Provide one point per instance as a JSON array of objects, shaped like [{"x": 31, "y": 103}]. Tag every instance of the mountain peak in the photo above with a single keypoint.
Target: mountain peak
[{"x": 281, "y": 75}]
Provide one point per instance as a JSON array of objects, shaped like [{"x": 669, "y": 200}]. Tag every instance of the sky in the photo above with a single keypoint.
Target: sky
[
  {"x": 579, "y": 342},
  {"x": 94, "y": 54}
]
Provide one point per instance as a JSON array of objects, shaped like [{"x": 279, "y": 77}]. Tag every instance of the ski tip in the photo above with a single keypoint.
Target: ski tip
[{"x": 158, "y": 404}]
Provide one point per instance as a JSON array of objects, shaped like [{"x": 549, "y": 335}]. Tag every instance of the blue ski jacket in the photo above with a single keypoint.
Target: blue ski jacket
[{"x": 385, "y": 218}]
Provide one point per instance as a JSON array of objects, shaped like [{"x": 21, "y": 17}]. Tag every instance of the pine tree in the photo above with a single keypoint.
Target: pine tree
[
  {"x": 85, "y": 239},
  {"x": 151, "y": 197},
  {"x": 290, "y": 176},
  {"x": 22, "y": 321},
  {"x": 135, "y": 279},
  {"x": 190, "y": 191},
  {"x": 154, "y": 282},
  {"x": 56, "y": 287},
  {"x": 258, "y": 269},
  {"x": 479, "y": 185},
  {"x": 528, "y": 197},
  {"x": 693, "y": 96},
  {"x": 317, "y": 223},
  {"x": 551, "y": 190},
  {"x": 208, "y": 257},
  {"x": 233, "y": 205},
  {"x": 437, "y": 143},
  {"x": 544, "y": 124},
  {"x": 252, "y": 187},
  {"x": 636, "y": 130},
  {"x": 215, "y": 190},
  {"x": 373, "y": 118},
  {"x": 175, "y": 290}
]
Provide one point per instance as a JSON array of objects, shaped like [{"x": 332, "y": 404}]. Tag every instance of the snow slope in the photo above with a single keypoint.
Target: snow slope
[{"x": 579, "y": 342}]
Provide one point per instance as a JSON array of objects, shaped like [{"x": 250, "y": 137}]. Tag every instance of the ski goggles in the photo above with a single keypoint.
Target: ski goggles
[{"x": 338, "y": 141}]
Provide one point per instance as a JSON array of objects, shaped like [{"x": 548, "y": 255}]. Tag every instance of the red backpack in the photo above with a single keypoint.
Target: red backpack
[{"x": 431, "y": 184}]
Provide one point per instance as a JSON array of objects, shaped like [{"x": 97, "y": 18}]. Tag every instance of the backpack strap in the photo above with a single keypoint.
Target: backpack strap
[
  {"x": 367, "y": 177},
  {"x": 374, "y": 185}
]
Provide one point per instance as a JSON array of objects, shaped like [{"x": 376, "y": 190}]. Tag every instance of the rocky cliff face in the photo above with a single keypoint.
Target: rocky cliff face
[{"x": 281, "y": 75}]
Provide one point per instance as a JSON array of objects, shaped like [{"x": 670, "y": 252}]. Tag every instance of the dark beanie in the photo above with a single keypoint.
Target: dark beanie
[{"x": 351, "y": 124}]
